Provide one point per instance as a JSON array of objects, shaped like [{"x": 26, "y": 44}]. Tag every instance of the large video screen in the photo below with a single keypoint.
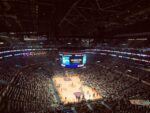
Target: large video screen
[
  {"x": 72, "y": 60},
  {"x": 66, "y": 60},
  {"x": 76, "y": 60}
]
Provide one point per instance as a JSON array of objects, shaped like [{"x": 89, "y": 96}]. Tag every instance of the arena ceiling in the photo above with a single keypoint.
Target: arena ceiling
[{"x": 75, "y": 18}]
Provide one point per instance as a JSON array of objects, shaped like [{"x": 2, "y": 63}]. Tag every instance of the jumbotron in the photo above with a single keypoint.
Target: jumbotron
[{"x": 72, "y": 59}]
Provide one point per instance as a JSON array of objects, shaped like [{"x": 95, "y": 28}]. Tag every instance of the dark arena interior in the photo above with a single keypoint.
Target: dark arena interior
[{"x": 74, "y": 56}]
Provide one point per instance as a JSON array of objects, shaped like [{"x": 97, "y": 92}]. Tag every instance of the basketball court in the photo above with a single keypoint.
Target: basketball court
[{"x": 71, "y": 89}]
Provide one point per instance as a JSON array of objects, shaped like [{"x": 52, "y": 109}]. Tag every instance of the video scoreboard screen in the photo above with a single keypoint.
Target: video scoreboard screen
[
  {"x": 72, "y": 60},
  {"x": 76, "y": 60}
]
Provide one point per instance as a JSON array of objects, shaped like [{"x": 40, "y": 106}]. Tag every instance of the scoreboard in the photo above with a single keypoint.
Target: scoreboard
[{"x": 72, "y": 60}]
